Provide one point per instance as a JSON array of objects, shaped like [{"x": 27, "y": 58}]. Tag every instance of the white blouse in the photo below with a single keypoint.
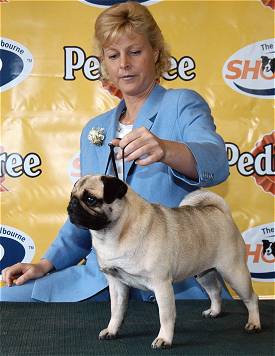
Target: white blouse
[{"x": 121, "y": 131}]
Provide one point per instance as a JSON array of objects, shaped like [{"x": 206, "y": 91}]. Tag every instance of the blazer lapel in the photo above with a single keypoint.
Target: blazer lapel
[
  {"x": 146, "y": 116},
  {"x": 110, "y": 133}
]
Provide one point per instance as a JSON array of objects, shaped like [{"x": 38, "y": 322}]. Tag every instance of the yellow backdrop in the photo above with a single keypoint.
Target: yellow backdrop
[{"x": 50, "y": 89}]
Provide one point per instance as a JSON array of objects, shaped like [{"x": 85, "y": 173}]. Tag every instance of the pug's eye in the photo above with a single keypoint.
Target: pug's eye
[{"x": 91, "y": 200}]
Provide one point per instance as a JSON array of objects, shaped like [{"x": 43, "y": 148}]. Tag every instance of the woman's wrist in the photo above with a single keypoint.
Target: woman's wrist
[
  {"x": 46, "y": 265},
  {"x": 179, "y": 157}
]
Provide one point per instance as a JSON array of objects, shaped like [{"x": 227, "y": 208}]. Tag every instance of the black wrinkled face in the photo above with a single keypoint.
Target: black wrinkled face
[
  {"x": 86, "y": 212},
  {"x": 91, "y": 201}
]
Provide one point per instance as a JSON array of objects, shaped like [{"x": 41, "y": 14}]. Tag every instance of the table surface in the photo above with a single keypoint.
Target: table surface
[{"x": 58, "y": 329}]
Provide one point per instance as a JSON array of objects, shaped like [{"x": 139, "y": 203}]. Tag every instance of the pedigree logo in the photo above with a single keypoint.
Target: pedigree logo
[
  {"x": 76, "y": 60},
  {"x": 16, "y": 63},
  {"x": 260, "y": 250},
  {"x": 259, "y": 163},
  {"x": 250, "y": 71},
  {"x": 106, "y": 3},
  {"x": 15, "y": 165}
]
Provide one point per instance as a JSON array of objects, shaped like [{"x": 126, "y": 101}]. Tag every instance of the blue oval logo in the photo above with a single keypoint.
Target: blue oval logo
[
  {"x": 15, "y": 246},
  {"x": 16, "y": 63},
  {"x": 8, "y": 259},
  {"x": 106, "y": 3}
]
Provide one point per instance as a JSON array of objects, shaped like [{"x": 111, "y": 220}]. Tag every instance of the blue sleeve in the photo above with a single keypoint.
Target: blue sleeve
[
  {"x": 198, "y": 132},
  {"x": 71, "y": 245}
]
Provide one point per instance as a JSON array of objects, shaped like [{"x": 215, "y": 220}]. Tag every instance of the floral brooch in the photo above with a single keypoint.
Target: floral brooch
[{"x": 96, "y": 136}]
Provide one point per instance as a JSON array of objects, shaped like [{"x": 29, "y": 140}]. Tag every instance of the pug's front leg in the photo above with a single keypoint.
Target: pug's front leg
[
  {"x": 167, "y": 314},
  {"x": 119, "y": 301}
]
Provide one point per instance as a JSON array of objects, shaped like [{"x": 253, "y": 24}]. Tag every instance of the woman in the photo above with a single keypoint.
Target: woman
[{"x": 170, "y": 147}]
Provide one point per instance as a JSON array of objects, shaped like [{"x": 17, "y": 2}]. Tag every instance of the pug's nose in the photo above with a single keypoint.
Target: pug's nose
[
  {"x": 73, "y": 206},
  {"x": 74, "y": 203}
]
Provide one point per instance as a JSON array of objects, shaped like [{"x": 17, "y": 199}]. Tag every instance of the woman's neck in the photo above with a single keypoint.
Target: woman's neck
[{"x": 133, "y": 105}]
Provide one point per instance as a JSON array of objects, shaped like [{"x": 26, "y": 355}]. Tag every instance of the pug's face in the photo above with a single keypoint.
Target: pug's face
[{"x": 96, "y": 201}]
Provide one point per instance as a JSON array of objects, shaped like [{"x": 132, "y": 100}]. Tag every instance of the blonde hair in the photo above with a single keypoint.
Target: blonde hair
[{"x": 130, "y": 17}]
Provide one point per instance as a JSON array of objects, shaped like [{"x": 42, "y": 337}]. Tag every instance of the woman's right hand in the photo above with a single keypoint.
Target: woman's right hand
[{"x": 22, "y": 272}]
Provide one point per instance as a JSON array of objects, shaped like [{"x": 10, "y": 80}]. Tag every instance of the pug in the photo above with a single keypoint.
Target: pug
[{"x": 149, "y": 247}]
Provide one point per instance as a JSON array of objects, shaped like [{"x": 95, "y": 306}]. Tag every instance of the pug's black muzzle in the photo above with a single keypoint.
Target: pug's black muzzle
[{"x": 83, "y": 219}]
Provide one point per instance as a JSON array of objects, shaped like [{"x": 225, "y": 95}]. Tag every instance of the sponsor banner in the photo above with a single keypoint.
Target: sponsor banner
[
  {"x": 250, "y": 71},
  {"x": 15, "y": 246},
  {"x": 16, "y": 63},
  {"x": 51, "y": 89},
  {"x": 260, "y": 248}
]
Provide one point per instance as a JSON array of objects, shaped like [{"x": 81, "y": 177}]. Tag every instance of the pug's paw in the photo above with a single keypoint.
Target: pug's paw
[
  {"x": 106, "y": 335},
  {"x": 160, "y": 343},
  {"x": 210, "y": 313},
  {"x": 252, "y": 328}
]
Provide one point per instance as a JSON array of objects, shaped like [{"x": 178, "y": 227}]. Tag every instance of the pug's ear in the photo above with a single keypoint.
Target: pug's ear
[{"x": 114, "y": 188}]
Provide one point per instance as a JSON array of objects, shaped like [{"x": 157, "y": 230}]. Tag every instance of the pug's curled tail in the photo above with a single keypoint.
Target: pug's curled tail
[{"x": 203, "y": 198}]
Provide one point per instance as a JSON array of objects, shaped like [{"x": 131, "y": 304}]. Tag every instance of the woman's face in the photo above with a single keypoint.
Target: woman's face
[{"x": 130, "y": 64}]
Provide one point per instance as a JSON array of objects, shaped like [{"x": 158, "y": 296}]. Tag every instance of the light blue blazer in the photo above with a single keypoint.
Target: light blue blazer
[{"x": 177, "y": 115}]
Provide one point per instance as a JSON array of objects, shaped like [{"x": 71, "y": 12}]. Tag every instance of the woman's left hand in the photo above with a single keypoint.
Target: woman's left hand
[{"x": 141, "y": 146}]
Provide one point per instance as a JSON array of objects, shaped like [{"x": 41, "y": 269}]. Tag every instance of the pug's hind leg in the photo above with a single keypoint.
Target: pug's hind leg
[
  {"x": 239, "y": 279},
  {"x": 210, "y": 282},
  {"x": 167, "y": 313},
  {"x": 119, "y": 302}
]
